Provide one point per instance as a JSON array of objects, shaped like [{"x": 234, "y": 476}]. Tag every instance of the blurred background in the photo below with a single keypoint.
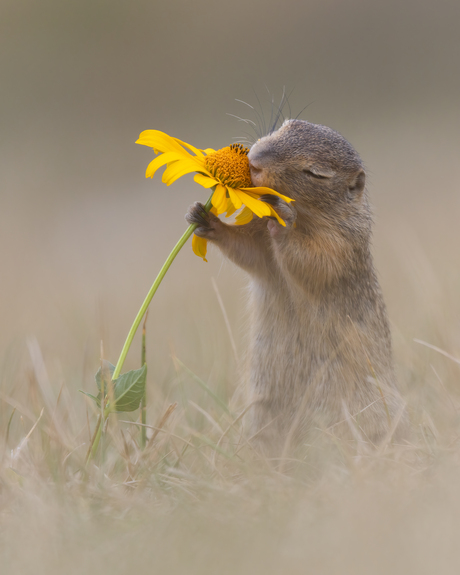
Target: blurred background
[{"x": 83, "y": 233}]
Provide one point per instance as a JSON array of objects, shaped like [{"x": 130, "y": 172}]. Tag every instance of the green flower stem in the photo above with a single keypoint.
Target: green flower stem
[
  {"x": 97, "y": 434},
  {"x": 105, "y": 412},
  {"x": 143, "y": 405},
  {"x": 188, "y": 232}
]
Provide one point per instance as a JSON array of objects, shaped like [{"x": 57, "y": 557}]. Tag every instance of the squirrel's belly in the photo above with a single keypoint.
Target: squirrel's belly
[
  {"x": 283, "y": 356},
  {"x": 298, "y": 355}
]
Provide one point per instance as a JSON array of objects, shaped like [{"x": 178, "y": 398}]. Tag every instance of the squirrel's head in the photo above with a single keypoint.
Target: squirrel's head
[{"x": 309, "y": 163}]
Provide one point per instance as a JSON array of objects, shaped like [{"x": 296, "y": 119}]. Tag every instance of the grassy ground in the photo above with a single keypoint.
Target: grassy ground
[{"x": 198, "y": 499}]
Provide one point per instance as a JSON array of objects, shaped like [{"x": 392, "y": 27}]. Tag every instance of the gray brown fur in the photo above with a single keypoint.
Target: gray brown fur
[{"x": 319, "y": 343}]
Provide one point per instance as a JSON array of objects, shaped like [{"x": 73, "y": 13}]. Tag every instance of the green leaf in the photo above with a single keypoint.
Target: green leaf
[
  {"x": 108, "y": 372},
  {"x": 129, "y": 389},
  {"x": 93, "y": 397}
]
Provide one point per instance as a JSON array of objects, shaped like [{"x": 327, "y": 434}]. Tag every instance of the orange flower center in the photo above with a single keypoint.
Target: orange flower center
[{"x": 230, "y": 166}]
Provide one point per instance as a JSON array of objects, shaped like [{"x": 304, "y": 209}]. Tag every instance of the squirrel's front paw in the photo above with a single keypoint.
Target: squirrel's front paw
[
  {"x": 286, "y": 212},
  {"x": 208, "y": 224}
]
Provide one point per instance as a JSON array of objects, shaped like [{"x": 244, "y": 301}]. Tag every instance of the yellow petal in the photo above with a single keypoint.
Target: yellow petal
[
  {"x": 244, "y": 217},
  {"x": 236, "y": 200},
  {"x": 261, "y": 191},
  {"x": 205, "y": 181},
  {"x": 161, "y": 142},
  {"x": 199, "y": 246},
  {"x": 219, "y": 199},
  {"x": 230, "y": 207},
  {"x": 256, "y": 206},
  {"x": 274, "y": 214},
  {"x": 209, "y": 151},
  {"x": 179, "y": 169},
  {"x": 165, "y": 158}
]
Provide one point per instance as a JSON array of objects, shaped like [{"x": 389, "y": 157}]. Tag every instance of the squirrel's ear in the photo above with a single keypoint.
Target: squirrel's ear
[{"x": 357, "y": 183}]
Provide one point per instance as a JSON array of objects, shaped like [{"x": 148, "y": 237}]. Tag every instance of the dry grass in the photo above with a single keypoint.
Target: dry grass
[{"x": 200, "y": 500}]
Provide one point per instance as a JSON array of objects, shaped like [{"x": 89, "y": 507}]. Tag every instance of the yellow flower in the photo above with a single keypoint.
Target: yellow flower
[{"x": 226, "y": 169}]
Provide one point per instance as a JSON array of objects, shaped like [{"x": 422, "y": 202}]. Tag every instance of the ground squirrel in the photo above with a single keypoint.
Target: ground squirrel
[{"x": 319, "y": 343}]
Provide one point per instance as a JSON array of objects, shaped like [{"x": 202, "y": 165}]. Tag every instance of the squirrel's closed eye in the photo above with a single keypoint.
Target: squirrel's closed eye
[{"x": 313, "y": 175}]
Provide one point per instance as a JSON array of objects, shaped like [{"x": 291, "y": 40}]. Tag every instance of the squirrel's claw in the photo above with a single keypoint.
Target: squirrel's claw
[
  {"x": 207, "y": 223},
  {"x": 286, "y": 211},
  {"x": 197, "y": 215}
]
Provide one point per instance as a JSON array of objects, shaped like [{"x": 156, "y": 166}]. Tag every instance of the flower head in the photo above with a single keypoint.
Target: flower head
[{"x": 227, "y": 170}]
